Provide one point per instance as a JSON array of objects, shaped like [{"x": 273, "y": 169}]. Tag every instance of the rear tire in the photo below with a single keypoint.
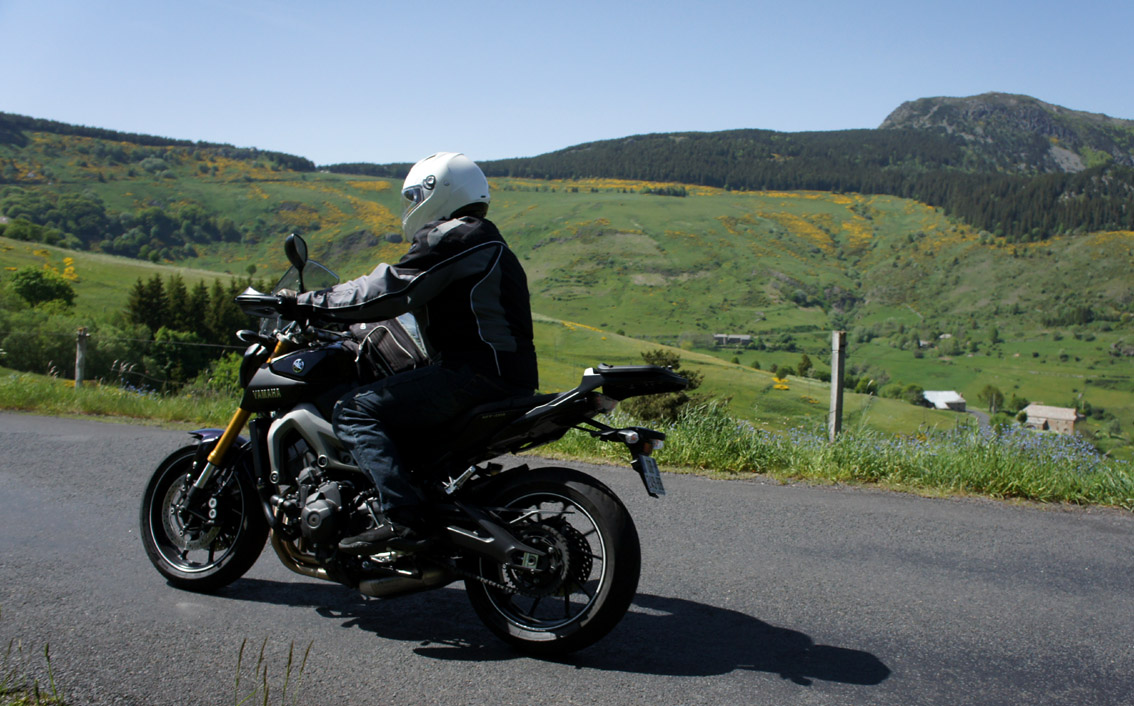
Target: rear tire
[
  {"x": 190, "y": 552},
  {"x": 584, "y": 586}
]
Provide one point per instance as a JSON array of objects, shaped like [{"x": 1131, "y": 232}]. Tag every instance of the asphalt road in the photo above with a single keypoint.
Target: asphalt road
[{"x": 751, "y": 593}]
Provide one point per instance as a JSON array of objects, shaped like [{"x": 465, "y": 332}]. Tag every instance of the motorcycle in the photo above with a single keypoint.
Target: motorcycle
[{"x": 549, "y": 556}]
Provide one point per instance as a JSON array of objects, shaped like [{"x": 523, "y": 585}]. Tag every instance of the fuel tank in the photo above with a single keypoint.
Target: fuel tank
[{"x": 319, "y": 376}]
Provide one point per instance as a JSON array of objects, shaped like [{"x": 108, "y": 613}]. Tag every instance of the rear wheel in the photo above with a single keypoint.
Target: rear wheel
[
  {"x": 207, "y": 545},
  {"x": 583, "y": 586}
]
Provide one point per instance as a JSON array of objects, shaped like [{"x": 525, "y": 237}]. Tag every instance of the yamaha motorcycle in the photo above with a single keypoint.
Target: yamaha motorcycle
[{"x": 549, "y": 556}]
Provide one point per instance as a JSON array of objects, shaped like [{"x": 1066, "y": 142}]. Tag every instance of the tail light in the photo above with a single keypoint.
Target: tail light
[{"x": 601, "y": 403}]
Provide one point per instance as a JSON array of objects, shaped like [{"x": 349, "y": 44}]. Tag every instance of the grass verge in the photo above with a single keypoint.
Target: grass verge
[
  {"x": 42, "y": 394},
  {"x": 1013, "y": 463}
]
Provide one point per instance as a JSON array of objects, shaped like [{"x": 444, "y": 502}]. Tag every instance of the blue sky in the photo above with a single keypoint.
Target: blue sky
[{"x": 345, "y": 81}]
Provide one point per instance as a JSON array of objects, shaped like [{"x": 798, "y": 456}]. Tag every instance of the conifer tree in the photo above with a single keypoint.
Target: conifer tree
[
  {"x": 147, "y": 303},
  {"x": 177, "y": 303},
  {"x": 199, "y": 306}
]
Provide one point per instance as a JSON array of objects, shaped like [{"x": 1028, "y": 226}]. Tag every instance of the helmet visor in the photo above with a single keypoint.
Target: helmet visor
[{"x": 412, "y": 196}]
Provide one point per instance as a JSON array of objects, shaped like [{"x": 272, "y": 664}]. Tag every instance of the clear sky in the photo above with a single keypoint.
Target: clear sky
[{"x": 377, "y": 81}]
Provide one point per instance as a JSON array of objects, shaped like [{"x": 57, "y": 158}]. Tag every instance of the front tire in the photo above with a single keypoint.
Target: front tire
[
  {"x": 584, "y": 586},
  {"x": 189, "y": 550}
]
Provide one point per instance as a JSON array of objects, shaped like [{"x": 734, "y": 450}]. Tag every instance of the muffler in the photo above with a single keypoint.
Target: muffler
[{"x": 400, "y": 582}]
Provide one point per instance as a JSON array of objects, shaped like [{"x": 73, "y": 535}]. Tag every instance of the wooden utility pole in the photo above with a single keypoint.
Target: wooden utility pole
[
  {"x": 838, "y": 365},
  {"x": 80, "y": 355}
]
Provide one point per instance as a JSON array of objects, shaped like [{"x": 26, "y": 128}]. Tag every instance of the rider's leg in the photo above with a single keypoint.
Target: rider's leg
[{"x": 418, "y": 399}]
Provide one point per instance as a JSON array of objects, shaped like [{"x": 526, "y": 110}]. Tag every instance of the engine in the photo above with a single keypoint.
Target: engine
[
  {"x": 314, "y": 508},
  {"x": 320, "y": 511}
]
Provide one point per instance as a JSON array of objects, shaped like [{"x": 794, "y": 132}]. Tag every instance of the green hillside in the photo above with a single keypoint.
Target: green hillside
[
  {"x": 565, "y": 349},
  {"x": 628, "y": 265}
]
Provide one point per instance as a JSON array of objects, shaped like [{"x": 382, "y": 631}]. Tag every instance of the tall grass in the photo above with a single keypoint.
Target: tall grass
[
  {"x": 1012, "y": 463},
  {"x": 262, "y": 685},
  {"x": 19, "y": 689},
  {"x": 48, "y": 395}
]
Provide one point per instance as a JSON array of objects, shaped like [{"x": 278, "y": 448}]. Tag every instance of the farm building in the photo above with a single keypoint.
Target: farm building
[
  {"x": 731, "y": 339},
  {"x": 945, "y": 399},
  {"x": 1058, "y": 419}
]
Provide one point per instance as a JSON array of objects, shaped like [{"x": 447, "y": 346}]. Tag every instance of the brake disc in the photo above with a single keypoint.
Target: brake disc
[
  {"x": 580, "y": 561},
  {"x": 187, "y": 536}
]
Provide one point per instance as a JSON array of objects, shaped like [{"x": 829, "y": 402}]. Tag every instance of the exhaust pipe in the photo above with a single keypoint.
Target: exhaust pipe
[
  {"x": 399, "y": 583},
  {"x": 297, "y": 562}
]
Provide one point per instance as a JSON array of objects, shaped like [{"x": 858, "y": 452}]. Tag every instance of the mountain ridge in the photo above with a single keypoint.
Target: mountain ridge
[
  {"x": 1006, "y": 117},
  {"x": 1008, "y": 164}
]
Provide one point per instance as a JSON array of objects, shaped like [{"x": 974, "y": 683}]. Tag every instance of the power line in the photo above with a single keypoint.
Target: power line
[{"x": 168, "y": 343}]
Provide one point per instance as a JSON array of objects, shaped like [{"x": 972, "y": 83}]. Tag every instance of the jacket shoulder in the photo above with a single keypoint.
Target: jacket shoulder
[{"x": 456, "y": 232}]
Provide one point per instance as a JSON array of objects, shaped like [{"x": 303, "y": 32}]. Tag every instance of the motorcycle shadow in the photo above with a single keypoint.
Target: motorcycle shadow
[{"x": 659, "y": 636}]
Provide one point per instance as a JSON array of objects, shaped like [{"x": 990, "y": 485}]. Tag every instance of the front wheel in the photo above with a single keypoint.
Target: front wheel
[
  {"x": 210, "y": 544},
  {"x": 582, "y": 587}
]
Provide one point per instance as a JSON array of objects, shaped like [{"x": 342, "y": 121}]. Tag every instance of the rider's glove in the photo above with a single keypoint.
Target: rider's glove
[{"x": 288, "y": 307}]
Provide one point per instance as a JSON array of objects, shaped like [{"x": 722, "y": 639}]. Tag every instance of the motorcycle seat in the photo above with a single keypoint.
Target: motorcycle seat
[
  {"x": 469, "y": 430},
  {"x": 487, "y": 418}
]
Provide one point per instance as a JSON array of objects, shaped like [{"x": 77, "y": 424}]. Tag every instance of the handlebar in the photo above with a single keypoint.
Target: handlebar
[
  {"x": 322, "y": 334},
  {"x": 267, "y": 306},
  {"x": 250, "y": 336},
  {"x": 292, "y": 332},
  {"x": 258, "y": 304}
]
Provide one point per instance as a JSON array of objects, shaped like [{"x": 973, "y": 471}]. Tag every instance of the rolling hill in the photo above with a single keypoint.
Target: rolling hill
[{"x": 928, "y": 297}]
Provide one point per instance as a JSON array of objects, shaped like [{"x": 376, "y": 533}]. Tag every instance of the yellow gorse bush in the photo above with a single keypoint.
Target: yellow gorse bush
[
  {"x": 377, "y": 217},
  {"x": 69, "y": 269},
  {"x": 370, "y": 185}
]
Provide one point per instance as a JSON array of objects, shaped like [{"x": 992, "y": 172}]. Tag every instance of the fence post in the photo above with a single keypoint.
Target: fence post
[
  {"x": 838, "y": 359},
  {"x": 80, "y": 355}
]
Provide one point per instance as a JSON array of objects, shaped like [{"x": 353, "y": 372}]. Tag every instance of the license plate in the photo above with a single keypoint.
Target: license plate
[{"x": 648, "y": 467}]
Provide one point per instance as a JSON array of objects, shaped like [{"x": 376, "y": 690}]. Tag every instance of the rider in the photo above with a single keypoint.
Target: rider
[{"x": 469, "y": 295}]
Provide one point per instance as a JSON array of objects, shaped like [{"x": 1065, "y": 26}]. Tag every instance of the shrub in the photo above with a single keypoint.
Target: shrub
[
  {"x": 37, "y": 341},
  {"x": 37, "y": 286},
  {"x": 223, "y": 376},
  {"x": 666, "y": 406}
]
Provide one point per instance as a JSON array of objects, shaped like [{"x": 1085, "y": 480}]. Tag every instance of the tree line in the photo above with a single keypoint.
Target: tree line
[
  {"x": 83, "y": 222},
  {"x": 167, "y": 334},
  {"x": 13, "y": 128},
  {"x": 980, "y": 185},
  {"x": 929, "y": 166}
]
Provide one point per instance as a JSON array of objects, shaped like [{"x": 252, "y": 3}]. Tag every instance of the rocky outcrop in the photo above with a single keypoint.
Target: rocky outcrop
[{"x": 1022, "y": 133}]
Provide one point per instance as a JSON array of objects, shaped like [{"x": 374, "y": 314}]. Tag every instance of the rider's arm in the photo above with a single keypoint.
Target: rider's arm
[{"x": 439, "y": 256}]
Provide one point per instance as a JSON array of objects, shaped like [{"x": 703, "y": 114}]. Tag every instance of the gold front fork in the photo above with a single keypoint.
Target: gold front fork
[
  {"x": 230, "y": 433},
  {"x": 235, "y": 425}
]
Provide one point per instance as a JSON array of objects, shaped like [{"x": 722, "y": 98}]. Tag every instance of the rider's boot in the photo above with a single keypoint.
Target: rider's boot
[{"x": 399, "y": 529}]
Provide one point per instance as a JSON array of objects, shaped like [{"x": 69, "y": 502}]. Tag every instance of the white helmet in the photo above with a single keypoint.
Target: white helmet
[{"x": 438, "y": 187}]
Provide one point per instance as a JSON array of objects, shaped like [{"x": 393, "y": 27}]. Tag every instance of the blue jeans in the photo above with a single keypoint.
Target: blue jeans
[{"x": 428, "y": 397}]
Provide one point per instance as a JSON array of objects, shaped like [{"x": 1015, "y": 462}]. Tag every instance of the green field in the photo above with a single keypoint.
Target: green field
[
  {"x": 565, "y": 349},
  {"x": 104, "y": 280},
  {"x": 1046, "y": 321}
]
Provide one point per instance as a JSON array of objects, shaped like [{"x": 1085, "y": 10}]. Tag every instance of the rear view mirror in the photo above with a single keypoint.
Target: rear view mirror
[{"x": 296, "y": 249}]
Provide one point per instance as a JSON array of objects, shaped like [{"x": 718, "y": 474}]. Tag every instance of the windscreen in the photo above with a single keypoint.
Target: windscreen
[{"x": 315, "y": 277}]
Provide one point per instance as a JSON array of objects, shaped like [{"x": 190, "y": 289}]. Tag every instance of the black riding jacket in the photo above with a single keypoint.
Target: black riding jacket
[{"x": 467, "y": 290}]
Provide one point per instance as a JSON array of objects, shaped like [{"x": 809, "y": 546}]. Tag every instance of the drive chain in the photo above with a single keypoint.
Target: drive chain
[{"x": 476, "y": 577}]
